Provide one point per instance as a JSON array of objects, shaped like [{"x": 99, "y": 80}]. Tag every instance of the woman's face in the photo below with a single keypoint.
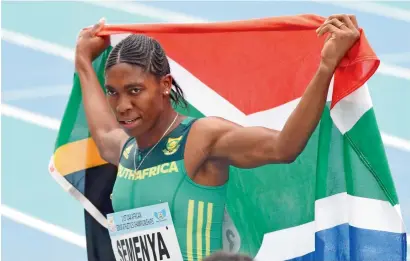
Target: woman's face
[{"x": 136, "y": 97}]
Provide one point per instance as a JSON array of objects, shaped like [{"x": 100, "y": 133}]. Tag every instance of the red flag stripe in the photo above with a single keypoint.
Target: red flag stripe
[
  {"x": 257, "y": 64},
  {"x": 279, "y": 23}
]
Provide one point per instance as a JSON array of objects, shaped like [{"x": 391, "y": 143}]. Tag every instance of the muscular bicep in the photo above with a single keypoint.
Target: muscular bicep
[
  {"x": 110, "y": 145},
  {"x": 247, "y": 147},
  {"x": 244, "y": 147}
]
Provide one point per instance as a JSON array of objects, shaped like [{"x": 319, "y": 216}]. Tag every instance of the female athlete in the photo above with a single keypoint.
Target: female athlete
[{"x": 163, "y": 156}]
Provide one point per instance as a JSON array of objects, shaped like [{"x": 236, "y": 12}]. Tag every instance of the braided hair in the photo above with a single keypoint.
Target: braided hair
[{"x": 146, "y": 52}]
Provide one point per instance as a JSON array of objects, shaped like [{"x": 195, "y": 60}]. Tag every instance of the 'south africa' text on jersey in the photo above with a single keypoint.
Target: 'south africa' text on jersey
[{"x": 165, "y": 168}]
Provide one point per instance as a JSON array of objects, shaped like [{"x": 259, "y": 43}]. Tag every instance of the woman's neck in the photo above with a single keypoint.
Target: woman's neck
[{"x": 152, "y": 136}]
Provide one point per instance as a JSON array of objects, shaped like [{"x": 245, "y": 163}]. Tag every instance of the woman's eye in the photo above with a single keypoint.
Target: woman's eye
[
  {"x": 110, "y": 92},
  {"x": 135, "y": 91}
]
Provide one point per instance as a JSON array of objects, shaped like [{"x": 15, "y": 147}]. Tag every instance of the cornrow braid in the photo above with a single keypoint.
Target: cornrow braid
[{"x": 146, "y": 52}]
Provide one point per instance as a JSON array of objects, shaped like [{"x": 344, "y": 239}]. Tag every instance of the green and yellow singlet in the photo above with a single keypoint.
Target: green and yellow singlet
[{"x": 197, "y": 211}]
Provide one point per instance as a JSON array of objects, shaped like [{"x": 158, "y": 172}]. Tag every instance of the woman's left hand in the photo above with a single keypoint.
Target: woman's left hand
[{"x": 343, "y": 33}]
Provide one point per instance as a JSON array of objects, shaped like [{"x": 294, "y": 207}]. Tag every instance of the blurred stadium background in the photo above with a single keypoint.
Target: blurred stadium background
[{"x": 39, "y": 220}]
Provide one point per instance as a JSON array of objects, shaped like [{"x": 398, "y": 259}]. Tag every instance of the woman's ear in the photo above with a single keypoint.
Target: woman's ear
[{"x": 166, "y": 83}]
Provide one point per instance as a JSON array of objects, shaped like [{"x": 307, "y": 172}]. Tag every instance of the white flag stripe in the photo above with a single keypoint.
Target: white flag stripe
[
  {"x": 347, "y": 112},
  {"x": 287, "y": 243},
  {"x": 330, "y": 212},
  {"x": 274, "y": 118},
  {"x": 204, "y": 98},
  {"x": 360, "y": 212},
  {"x": 278, "y": 116}
]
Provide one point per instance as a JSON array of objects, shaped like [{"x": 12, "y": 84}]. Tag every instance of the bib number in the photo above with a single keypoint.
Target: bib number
[{"x": 145, "y": 233}]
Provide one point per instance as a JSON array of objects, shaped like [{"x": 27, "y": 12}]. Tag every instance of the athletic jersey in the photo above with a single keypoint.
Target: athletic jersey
[{"x": 197, "y": 211}]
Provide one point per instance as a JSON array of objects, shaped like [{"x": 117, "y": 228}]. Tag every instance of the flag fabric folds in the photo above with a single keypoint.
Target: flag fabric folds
[{"x": 337, "y": 201}]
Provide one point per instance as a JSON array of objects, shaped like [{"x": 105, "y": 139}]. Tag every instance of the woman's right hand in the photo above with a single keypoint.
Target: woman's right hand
[{"x": 89, "y": 46}]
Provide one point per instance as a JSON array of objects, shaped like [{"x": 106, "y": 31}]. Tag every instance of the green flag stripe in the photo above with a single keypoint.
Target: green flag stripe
[
  {"x": 366, "y": 141},
  {"x": 74, "y": 126},
  {"x": 342, "y": 166}
]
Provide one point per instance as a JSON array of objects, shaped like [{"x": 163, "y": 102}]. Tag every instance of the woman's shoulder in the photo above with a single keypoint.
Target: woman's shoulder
[
  {"x": 213, "y": 125},
  {"x": 206, "y": 131}
]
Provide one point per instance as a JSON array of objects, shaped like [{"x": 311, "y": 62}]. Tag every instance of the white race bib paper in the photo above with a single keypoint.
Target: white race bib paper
[{"x": 145, "y": 233}]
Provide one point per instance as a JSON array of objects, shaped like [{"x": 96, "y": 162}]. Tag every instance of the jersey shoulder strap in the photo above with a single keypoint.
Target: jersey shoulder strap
[
  {"x": 188, "y": 121},
  {"x": 126, "y": 149}
]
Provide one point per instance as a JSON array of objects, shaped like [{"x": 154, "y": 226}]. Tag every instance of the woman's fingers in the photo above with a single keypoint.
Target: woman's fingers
[{"x": 97, "y": 27}]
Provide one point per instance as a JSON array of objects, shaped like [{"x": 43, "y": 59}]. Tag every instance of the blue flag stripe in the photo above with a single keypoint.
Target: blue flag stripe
[{"x": 345, "y": 242}]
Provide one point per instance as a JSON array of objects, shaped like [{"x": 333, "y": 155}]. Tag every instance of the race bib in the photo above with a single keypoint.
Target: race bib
[{"x": 145, "y": 233}]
